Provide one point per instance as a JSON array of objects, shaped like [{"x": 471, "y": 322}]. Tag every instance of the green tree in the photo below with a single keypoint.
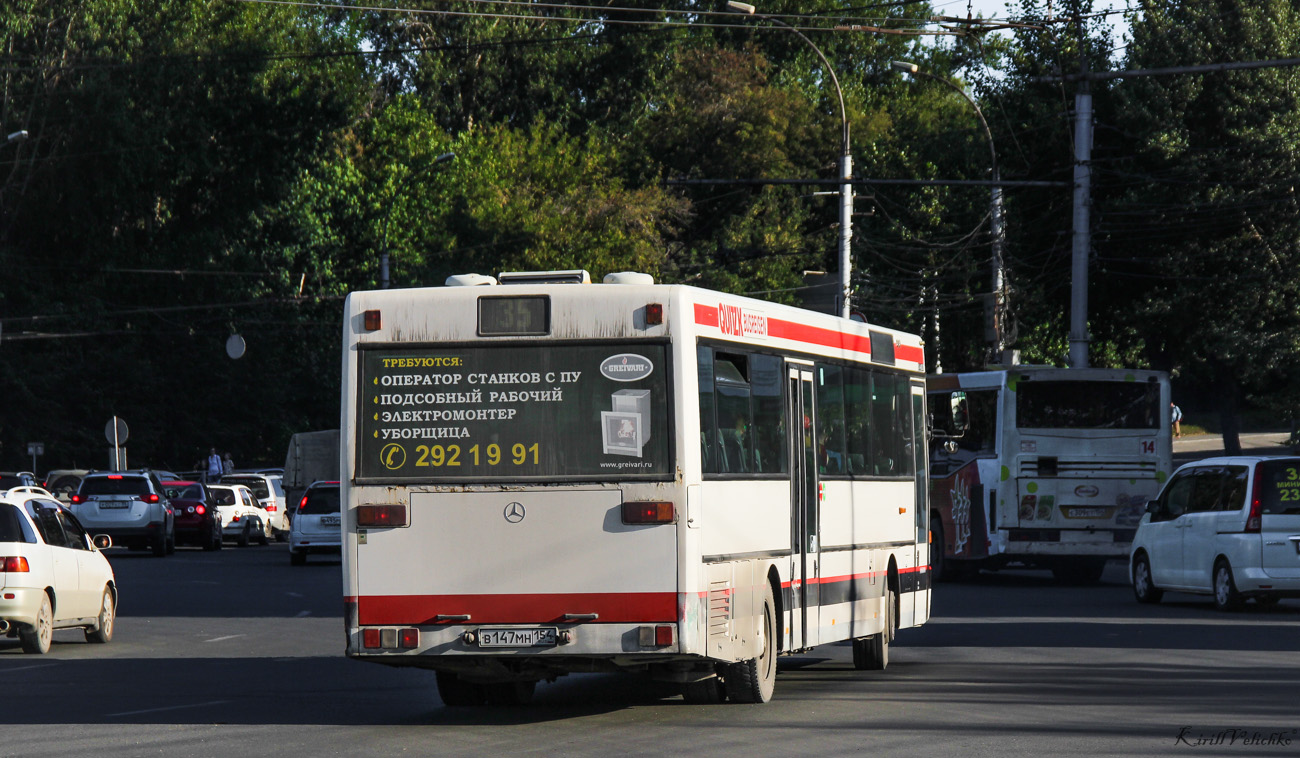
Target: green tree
[{"x": 1210, "y": 211}]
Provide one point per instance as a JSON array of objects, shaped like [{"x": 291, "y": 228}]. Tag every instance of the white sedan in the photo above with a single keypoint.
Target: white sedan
[
  {"x": 52, "y": 574},
  {"x": 243, "y": 519}
]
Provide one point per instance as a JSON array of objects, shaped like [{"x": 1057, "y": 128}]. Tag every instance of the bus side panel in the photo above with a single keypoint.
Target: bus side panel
[
  {"x": 743, "y": 518},
  {"x": 958, "y": 499}
]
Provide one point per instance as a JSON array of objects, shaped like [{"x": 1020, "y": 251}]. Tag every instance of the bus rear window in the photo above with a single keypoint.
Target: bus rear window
[
  {"x": 1087, "y": 405},
  {"x": 514, "y": 412}
]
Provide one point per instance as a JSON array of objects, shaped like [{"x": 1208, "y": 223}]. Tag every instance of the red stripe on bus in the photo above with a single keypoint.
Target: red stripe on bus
[
  {"x": 707, "y": 315},
  {"x": 858, "y": 577},
  {"x": 612, "y": 607}
]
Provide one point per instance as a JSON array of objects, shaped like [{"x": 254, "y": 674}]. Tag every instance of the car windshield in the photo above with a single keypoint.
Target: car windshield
[
  {"x": 255, "y": 483},
  {"x": 320, "y": 500},
  {"x": 115, "y": 485},
  {"x": 11, "y": 524},
  {"x": 223, "y": 496}
]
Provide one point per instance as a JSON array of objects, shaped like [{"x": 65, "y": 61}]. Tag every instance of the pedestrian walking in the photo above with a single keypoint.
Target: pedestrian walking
[
  {"x": 214, "y": 465},
  {"x": 1176, "y": 418},
  {"x": 227, "y": 464}
]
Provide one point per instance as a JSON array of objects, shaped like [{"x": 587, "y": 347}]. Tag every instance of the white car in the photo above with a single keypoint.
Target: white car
[
  {"x": 317, "y": 523},
  {"x": 52, "y": 574},
  {"x": 270, "y": 494},
  {"x": 1227, "y": 527},
  {"x": 242, "y": 518}
]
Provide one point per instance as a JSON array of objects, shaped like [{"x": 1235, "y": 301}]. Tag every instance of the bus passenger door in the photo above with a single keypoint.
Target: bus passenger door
[
  {"x": 921, "y": 507},
  {"x": 804, "y": 571}
]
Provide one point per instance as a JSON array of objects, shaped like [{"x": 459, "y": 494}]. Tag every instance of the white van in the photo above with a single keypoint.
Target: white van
[{"x": 1227, "y": 527}]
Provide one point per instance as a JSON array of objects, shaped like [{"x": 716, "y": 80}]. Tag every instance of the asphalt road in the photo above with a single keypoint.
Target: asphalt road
[{"x": 238, "y": 653}]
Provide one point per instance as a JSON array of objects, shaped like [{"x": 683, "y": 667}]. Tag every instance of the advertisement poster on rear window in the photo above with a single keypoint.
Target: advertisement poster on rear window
[{"x": 564, "y": 412}]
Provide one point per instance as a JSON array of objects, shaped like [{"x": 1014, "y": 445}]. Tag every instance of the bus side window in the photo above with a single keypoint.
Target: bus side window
[
  {"x": 768, "y": 431},
  {"x": 831, "y": 456},
  {"x": 857, "y": 430},
  {"x": 708, "y": 422}
]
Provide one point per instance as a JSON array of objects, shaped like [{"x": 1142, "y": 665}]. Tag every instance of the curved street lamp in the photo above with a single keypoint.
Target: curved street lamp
[
  {"x": 383, "y": 256},
  {"x": 995, "y": 207},
  {"x": 846, "y": 160}
]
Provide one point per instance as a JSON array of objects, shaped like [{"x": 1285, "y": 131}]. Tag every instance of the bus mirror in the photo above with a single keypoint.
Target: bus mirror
[
  {"x": 949, "y": 447},
  {"x": 960, "y": 414}
]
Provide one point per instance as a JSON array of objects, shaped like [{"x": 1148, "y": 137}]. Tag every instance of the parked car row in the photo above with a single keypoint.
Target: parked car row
[{"x": 52, "y": 573}]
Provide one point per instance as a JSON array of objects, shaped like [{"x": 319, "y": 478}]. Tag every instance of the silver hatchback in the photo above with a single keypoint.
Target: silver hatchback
[
  {"x": 1227, "y": 527},
  {"x": 316, "y": 526}
]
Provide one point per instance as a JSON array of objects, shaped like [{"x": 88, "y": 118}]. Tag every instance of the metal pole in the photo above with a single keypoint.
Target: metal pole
[
  {"x": 846, "y": 162},
  {"x": 1082, "y": 236}
]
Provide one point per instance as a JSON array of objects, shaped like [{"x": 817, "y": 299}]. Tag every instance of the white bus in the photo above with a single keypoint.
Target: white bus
[
  {"x": 1044, "y": 467},
  {"x": 542, "y": 478}
]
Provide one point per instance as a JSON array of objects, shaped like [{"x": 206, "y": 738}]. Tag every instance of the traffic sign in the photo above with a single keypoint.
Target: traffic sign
[{"x": 116, "y": 431}]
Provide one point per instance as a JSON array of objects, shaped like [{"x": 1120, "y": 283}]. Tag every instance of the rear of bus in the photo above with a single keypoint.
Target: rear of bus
[
  {"x": 1082, "y": 452},
  {"x": 509, "y": 483}
]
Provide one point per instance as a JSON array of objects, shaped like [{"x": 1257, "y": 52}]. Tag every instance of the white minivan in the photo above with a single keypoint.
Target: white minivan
[{"x": 1227, "y": 527}]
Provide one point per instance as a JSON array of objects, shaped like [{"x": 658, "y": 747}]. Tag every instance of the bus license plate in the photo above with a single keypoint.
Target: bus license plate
[{"x": 536, "y": 637}]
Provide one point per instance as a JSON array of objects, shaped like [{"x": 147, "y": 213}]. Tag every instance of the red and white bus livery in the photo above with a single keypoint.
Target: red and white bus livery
[{"x": 547, "y": 477}]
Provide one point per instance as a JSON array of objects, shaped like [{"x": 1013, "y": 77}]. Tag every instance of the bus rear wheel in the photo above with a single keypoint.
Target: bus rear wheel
[
  {"x": 872, "y": 653},
  {"x": 754, "y": 680}
]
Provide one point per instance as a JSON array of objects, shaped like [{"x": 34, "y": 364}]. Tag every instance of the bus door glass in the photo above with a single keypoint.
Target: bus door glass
[
  {"x": 921, "y": 508},
  {"x": 804, "y": 587}
]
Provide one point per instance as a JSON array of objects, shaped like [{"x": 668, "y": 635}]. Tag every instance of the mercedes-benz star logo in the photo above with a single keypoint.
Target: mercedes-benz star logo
[{"x": 514, "y": 513}]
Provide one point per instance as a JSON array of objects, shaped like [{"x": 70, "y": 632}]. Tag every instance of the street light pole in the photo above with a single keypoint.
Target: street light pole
[
  {"x": 383, "y": 256},
  {"x": 846, "y": 160},
  {"x": 995, "y": 210}
]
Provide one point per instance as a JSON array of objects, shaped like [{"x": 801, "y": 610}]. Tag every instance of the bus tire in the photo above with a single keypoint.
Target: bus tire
[
  {"x": 872, "y": 653},
  {"x": 1080, "y": 571},
  {"x": 942, "y": 568},
  {"x": 754, "y": 680},
  {"x": 458, "y": 693},
  {"x": 709, "y": 691}
]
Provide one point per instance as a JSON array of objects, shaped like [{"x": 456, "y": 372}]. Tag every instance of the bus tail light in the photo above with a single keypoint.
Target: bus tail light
[
  {"x": 373, "y": 321},
  {"x": 390, "y": 639},
  {"x": 381, "y": 515},
  {"x": 1254, "y": 521},
  {"x": 660, "y": 635},
  {"x": 653, "y": 512},
  {"x": 654, "y": 314}
]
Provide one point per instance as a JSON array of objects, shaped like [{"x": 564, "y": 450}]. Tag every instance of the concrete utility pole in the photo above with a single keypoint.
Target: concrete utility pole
[{"x": 1082, "y": 238}]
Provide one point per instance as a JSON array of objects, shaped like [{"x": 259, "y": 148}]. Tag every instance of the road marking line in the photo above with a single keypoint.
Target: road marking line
[
  {"x": 168, "y": 708},
  {"x": 303, "y": 613},
  {"x": 227, "y": 637},
  {"x": 29, "y": 668}
]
